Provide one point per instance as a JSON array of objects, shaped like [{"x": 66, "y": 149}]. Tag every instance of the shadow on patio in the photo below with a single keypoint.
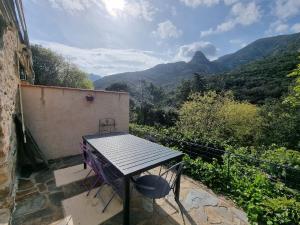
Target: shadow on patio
[{"x": 56, "y": 196}]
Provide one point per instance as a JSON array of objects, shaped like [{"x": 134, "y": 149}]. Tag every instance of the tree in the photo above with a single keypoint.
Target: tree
[
  {"x": 183, "y": 91},
  {"x": 280, "y": 125},
  {"x": 199, "y": 84},
  {"x": 118, "y": 87},
  {"x": 218, "y": 118},
  {"x": 53, "y": 70},
  {"x": 294, "y": 96}
]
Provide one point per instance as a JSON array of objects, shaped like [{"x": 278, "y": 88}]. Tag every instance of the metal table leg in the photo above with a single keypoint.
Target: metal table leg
[
  {"x": 177, "y": 187},
  {"x": 84, "y": 154},
  {"x": 126, "y": 202}
]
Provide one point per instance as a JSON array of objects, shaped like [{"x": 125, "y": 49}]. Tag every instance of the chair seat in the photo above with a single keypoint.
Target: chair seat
[{"x": 152, "y": 186}]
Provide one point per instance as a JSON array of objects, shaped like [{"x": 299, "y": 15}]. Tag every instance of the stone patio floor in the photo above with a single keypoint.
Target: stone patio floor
[{"x": 56, "y": 197}]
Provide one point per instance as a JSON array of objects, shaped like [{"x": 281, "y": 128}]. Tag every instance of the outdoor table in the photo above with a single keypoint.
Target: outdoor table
[{"x": 132, "y": 155}]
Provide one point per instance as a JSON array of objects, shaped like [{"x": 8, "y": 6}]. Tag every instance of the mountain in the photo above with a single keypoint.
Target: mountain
[
  {"x": 261, "y": 48},
  {"x": 163, "y": 74},
  {"x": 93, "y": 77},
  {"x": 171, "y": 74}
]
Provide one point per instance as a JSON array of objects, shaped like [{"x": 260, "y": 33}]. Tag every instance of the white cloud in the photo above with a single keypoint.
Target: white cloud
[
  {"x": 230, "y": 2},
  {"x": 105, "y": 61},
  {"x": 72, "y": 6},
  {"x": 277, "y": 27},
  {"x": 296, "y": 28},
  {"x": 115, "y": 8},
  {"x": 142, "y": 9},
  {"x": 246, "y": 14},
  {"x": 241, "y": 14},
  {"x": 285, "y": 9},
  {"x": 186, "y": 52},
  {"x": 196, "y": 3},
  {"x": 166, "y": 30}
]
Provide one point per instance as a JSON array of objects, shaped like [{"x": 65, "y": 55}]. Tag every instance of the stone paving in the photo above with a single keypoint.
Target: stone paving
[{"x": 44, "y": 198}]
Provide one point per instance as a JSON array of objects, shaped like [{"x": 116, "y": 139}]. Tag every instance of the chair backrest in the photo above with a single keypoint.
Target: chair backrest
[
  {"x": 85, "y": 151},
  {"x": 171, "y": 174},
  {"x": 107, "y": 125},
  {"x": 96, "y": 165}
]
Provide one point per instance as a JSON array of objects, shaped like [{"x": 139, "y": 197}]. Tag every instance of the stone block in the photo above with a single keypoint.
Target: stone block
[
  {"x": 3, "y": 178},
  {"x": 4, "y": 216},
  {"x": 57, "y": 198},
  {"x": 30, "y": 205},
  {"x": 41, "y": 187},
  {"x": 44, "y": 176},
  {"x": 21, "y": 195},
  {"x": 25, "y": 184},
  {"x": 199, "y": 198}
]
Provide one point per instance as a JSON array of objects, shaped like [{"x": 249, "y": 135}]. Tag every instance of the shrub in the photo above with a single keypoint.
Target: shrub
[
  {"x": 247, "y": 183},
  {"x": 216, "y": 118}
]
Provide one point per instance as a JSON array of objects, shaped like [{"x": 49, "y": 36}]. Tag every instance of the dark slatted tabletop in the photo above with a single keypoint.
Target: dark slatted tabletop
[{"x": 131, "y": 154}]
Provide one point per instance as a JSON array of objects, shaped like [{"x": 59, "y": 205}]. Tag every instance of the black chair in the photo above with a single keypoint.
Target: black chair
[
  {"x": 158, "y": 186},
  {"x": 110, "y": 176},
  {"x": 107, "y": 126}
]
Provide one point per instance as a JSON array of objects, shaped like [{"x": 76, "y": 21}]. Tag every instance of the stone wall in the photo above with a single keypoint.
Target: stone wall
[{"x": 9, "y": 106}]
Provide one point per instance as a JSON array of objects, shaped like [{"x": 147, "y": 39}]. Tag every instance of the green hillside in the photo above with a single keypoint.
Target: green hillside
[{"x": 258, "y": 80}]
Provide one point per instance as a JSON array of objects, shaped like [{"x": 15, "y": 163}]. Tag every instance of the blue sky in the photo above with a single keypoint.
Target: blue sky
[{"x": 112, "y": 36}]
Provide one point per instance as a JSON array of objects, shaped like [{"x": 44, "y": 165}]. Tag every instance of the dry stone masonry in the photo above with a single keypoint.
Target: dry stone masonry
[
  {"x": 9, "y": 103},
  {"x": 13, "y": 54}
]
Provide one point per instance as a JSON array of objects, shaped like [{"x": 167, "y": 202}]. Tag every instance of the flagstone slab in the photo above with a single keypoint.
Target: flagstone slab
[{"x": 57, "y": 196}]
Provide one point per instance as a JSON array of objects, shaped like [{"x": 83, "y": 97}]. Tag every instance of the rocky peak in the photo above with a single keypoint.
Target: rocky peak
[{"x": 199, "y": 58}]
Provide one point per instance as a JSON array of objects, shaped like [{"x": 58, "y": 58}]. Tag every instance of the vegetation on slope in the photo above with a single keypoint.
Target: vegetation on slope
[
  {"x": 261, "y": 48},
  {"x": 259, "y": 80},
  {"x": 241, "y": 150},
  {"x": 53, "y": 70}
]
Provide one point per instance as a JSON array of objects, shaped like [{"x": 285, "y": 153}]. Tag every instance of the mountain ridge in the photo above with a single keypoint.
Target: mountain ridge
[{"x": 170, "y": 74}]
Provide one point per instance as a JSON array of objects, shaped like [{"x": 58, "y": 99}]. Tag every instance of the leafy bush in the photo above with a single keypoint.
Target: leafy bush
[
  {"x": 249, "y": 188},
  {"x": 294, "y": 97},
  {"x": 280, "y": 125},
  {"x": 213, "y": 117},
  {"x": 281, "y": 210},
  {"x": 264, "y": 201}
]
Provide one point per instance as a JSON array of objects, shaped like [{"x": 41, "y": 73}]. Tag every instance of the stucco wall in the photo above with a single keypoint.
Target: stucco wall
[{"x": 58, "y": 117}]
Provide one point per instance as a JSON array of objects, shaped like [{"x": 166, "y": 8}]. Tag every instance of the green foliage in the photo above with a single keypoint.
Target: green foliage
[
  {"x": 259, "y": 80},
  {"x": 149, "y": 107},
  {"x": 118, "y": 87},
  {"x": 250, "y": 188},
  {"x": 281, "y": 210},
  {"x": 282, "y": 156},
  {"x": 294, "y": 96},
  {"x": 239, "y": 178},
  {"x": 53, "y": 70},
  {"x": 196, "y": 85},
  {"x": 183, "y": 91},
  {"x": 199, "y": 83},
  {"x": 280, "y": 125},
  {"x": 219, "y": 118}
]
